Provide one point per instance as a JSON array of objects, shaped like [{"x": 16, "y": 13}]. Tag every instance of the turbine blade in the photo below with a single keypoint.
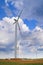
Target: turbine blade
[
  {"x": 20, "y": 14},
  {"x": 19, "y": 29}
]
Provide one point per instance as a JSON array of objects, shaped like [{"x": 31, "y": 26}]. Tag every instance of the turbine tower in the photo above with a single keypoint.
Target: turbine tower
[{"x": 16, "y": 23}]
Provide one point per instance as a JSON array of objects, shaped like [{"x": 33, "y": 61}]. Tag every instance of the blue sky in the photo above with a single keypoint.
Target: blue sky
[{"x": 31, "y": 25}]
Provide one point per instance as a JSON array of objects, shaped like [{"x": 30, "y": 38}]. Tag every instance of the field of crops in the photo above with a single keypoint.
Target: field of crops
[
  {"x": 21, "y": 62},
  {"x": 13, "y": 63}
]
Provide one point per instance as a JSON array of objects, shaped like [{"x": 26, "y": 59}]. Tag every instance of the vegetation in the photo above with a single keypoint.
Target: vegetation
[
  {"x": 21, "y": 62},
  {"x": 15, "y": 63}
]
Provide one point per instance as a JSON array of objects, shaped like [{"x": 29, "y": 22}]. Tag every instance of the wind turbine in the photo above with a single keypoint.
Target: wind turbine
[{"x": 16, "y": 23}]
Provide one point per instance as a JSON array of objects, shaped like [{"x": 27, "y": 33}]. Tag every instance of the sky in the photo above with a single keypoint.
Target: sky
[{"x": 30, "y": 34}]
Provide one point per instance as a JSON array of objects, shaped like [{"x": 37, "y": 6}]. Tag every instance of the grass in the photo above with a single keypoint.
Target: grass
[
  {"x": 15, "y": 63},
  {"x": 21, "y": 62}
]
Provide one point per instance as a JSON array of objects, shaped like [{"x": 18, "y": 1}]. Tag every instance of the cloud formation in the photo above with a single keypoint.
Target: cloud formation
[
  {"x": 31, "y": 9},
  {"x": 7, "y": 34},
  {"x": 28, "y": 41}
]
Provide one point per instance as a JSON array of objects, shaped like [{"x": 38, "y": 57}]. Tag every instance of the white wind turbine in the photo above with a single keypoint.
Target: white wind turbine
[{"x": 16, "y": 24}]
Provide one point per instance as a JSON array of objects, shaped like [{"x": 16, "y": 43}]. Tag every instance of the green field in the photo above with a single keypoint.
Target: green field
[
  {"x": 13, "y": 63},
  {"x": 21, "y": 62}
]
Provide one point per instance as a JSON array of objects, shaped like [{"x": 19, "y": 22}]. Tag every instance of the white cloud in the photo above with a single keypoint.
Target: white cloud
[
  {"x": 38, "y": 33},
  {"x": 7, "y": 10},
  {"x": 9, "y": 20},
  {"x": 6, "y": 2},
  {"x": 33, "y": 49},
  {"x": 16, "y": 3},
  {"x": 37, "y": 28},
  {"x": 6, "y": 55},
  {"x": 7, "y": 31},
  {"x": 32, "y": 41},
  {"x": 25, "y": 28}
]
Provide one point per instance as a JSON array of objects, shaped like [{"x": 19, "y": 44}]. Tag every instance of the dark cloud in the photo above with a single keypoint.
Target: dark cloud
[
  {"x": 33, "y": 9},
  {"x": 38, "y": 11},
  {"x": 41, "y": 49},
  {"x": 6, "y": 50}
]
